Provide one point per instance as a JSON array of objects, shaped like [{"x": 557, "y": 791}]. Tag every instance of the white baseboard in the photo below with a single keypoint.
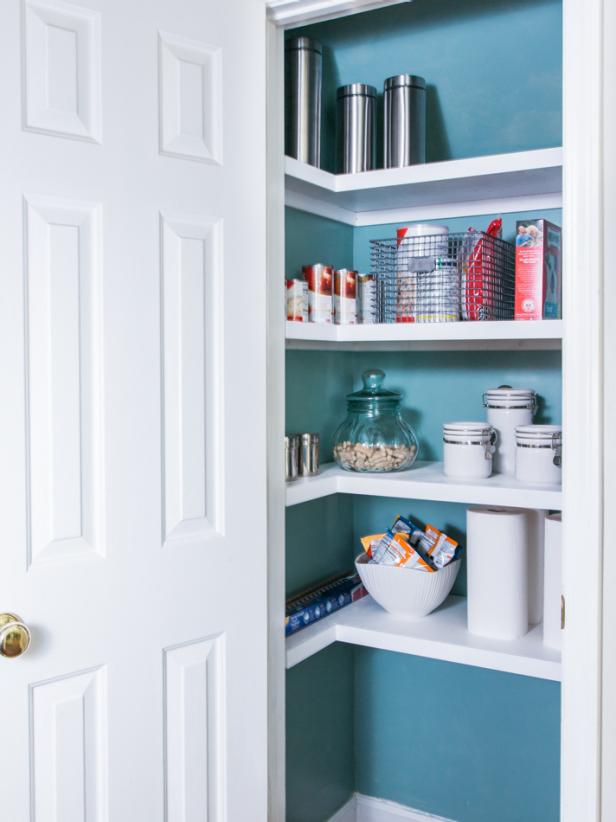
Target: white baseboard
[{"x": 362, "y": 808}]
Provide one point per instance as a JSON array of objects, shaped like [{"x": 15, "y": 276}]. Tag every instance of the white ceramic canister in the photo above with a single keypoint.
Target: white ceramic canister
[
  {"x": 506, "y": 409},
  {"x": 538, "y": 454},
  {"x": 468, "y": 448}
]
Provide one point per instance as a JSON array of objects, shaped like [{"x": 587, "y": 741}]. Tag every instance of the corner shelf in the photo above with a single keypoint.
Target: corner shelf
[
  {"x": 519, "y": 181},
  {"x": 425, "y": 480},
  {"x": 500, "y": 334},
  {"x": 441, "y": 635}
]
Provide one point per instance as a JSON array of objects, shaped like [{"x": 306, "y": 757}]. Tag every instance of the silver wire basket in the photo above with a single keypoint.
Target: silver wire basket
[{"x": 444, "y": 278}]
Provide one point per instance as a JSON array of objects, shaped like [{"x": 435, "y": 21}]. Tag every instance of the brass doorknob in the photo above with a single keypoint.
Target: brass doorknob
[{"x": 14, "y": 636}]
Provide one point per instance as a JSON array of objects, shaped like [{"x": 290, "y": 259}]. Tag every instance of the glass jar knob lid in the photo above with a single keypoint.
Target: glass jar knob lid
[{"x": 373, "y": 388}]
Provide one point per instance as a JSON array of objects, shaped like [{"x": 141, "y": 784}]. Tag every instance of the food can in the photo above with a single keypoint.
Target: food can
[
  {"x": 367, "y": 299},
  {"x": 297, "y": 301},
  {"x": 438, "y": 293},
  {"x": 320, "y": 280},
  {"x": 345, "y": 297}
]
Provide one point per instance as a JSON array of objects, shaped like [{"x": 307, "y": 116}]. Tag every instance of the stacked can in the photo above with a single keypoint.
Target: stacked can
[
  {"x": 345, "y": 297},
  {"x": 297, "y": 301},
  {"x": 438, "y": 293},
  {"x": 367, "y": 299},
  {"x": 319, "y": 278}
]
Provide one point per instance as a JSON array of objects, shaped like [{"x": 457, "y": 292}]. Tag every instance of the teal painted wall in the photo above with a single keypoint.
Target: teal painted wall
[
  {"x": 474, "y": 745},
  {"x": 465, "y": 743},
  {"x": 493, "y": 69},
  {"x": 320, "y": 735}
]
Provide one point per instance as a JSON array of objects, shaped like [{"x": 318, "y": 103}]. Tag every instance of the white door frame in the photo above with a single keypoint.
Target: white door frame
[
  {"x": 585, "y": 91},
  {"x": 583, "y": 374},
  {"x": 608, "y": 708}
]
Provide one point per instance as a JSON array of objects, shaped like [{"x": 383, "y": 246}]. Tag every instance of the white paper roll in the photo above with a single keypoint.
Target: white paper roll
[
  {"x": 536, "y": 532},
  {"x": 497, "y": 565},
  {"x": 552, "y": 581}
]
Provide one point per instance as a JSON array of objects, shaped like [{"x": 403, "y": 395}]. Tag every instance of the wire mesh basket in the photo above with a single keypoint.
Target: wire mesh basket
[{"x": 444, "y": 278}]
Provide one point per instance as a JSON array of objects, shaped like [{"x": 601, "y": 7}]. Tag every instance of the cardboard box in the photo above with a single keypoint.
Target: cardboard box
[{"x": 538, "y": 284}]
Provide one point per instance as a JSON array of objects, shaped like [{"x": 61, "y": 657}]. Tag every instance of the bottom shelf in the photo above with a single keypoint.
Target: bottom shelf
[{"x": 442, "y": 635}]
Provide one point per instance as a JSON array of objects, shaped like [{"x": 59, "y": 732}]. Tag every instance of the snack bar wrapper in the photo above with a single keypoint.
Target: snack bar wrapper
[
  {"x": 370, "y": 541},
  {"x": 395, "y": 549},
  {"x": 442, "y": 548}
]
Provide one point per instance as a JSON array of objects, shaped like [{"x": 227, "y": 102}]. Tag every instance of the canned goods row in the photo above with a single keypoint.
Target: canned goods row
[
  {"x": 327, "y": 295},
  {"x": 302, "y": 455}
]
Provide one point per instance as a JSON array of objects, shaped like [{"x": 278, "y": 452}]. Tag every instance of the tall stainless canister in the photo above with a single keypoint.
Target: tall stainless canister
[
  {"x": 356, "y": 127},
  {"x": 303, "y": 74},
  {"x": 404, "y": 106}
]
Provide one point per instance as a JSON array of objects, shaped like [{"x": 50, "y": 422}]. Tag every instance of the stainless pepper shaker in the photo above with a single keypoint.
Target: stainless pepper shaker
[{"x": 309, "y": 455}]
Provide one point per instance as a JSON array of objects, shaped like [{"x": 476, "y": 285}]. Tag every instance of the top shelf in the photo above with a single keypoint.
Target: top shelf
[{"x": 499, "y": 183}]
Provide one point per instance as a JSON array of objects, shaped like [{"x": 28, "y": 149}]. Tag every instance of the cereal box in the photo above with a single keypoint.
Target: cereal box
[{"x": 538, "y": 247}]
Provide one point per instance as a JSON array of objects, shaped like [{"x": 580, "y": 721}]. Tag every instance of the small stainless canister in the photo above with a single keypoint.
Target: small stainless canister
[
  {"x": 309, "y": 455},
  {"x": 303, "y": 77},
  {"x": 291, "y": 456},
  {"x": 404, "y": 114},
  {"x": 356, "y": 128}
]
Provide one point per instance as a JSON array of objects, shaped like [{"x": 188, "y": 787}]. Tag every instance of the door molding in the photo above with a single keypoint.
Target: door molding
[
  {"x": 583, "y": 375},
  {"x": 608, "y": 708}
]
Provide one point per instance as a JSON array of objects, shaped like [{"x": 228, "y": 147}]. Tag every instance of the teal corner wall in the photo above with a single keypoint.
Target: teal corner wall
[
  {"x": 492, "y": 67},
  {"x": 464, "y": 743}
]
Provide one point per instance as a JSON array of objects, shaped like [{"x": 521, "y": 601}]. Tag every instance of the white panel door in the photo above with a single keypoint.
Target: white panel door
[{"x": 132, "y": 420}]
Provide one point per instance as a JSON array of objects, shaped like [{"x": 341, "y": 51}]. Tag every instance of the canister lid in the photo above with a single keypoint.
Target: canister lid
[
  {"x": 400, "y": 80},
  {"x": 468, "y": 428},
  {"x": 544, "y": 434},
  {"x": 421, "y": 230},
  {"x": 373, "y": 391},
  {"x": 507, "y": 397},
  {"x": 296, "y": 43},
  {"x": 356, "y": 90}
]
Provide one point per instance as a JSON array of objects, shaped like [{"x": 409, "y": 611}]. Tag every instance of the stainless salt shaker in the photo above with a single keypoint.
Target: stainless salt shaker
[
  {"x": 291, "y": 457},
  {"x": 309, "y": 455}
]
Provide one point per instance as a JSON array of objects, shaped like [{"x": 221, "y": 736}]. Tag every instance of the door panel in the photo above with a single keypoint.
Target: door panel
[{"x": 132, "y": 462}]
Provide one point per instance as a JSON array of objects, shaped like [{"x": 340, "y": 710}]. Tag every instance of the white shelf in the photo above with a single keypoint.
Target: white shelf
[
  {"x": 521, "y": 181},
  {"x": 502, "y": 334},
  {"x": 441, "y": 635},
  {"x": 425, "y": 480}
]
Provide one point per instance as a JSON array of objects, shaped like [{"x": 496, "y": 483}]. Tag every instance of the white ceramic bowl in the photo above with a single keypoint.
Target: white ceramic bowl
[{"x": 405, "y": 592}]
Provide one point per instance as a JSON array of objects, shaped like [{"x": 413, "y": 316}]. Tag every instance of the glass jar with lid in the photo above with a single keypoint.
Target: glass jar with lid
[{"x": 375, "y": 437}]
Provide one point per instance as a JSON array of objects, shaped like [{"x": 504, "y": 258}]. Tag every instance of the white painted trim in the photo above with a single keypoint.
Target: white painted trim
[
  {"x": 288, "y": 13},
  {"x": 608, "y": 783},
  {"x": 492, "y": 184},
  {"x": 443, "y": 635},
  {"x": 314, "y": 205},
  {"x": 275, "y": 429},
  {"x": 583, "y": 374},
  {"x": 503, "y": 205},
  {"x": 361, "y": 808}
]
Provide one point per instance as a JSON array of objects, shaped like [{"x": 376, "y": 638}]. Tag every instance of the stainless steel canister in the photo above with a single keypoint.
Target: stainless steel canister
[
  {"x": 291, "y": 456},
  {"x": 404, "y": 106},
  {"x": 309, "y": 455},
  {"x": 356, "y": 128},
  {"x": 303, "y": 76}
]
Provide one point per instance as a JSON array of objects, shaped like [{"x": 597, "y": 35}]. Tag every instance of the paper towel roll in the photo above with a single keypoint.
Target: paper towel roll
[
  {"x": 536, "y": 532},
  {"x": 497, "y": 567},
  {"x": 552, "y": 581}
]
